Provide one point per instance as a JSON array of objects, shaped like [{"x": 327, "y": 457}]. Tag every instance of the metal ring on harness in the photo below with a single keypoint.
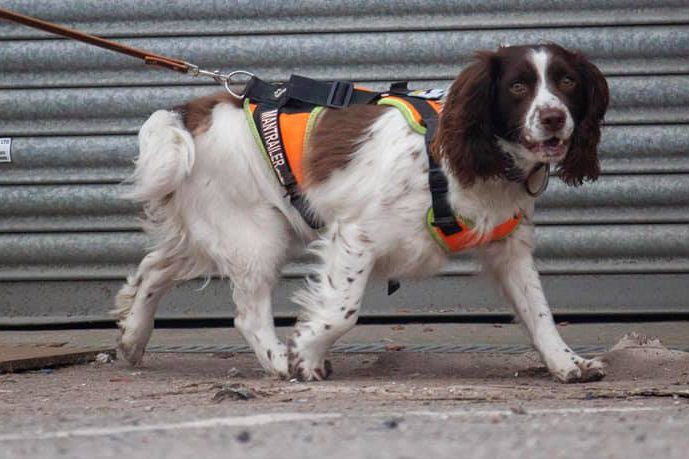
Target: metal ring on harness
[
  {"x": 220, "y": 78},
  {"x": 544, "y": 183},
  {"x": 228, "y": 82}
]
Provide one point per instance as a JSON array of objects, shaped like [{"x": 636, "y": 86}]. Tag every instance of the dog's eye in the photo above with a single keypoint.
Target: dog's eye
[
  {"x": 518, "y": 88},
  {"x": 567, "y": 82}
]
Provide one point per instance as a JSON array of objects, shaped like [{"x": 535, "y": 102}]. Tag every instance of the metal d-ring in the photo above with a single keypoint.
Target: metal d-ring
[
  {"x": 224, "y": 79},
  {"x": 544, "y": 183},
  {"x": 228, "y": 82}
]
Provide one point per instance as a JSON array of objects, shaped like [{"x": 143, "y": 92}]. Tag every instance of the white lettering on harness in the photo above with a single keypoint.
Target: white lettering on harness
[{"x": 271, "y": 137}]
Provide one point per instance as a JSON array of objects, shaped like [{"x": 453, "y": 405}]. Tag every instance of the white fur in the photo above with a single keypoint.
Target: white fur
[
  {"x": 215, "y": 206},
  {"x": 544, "y": 99},
  {"x": 169, "y": 160}
]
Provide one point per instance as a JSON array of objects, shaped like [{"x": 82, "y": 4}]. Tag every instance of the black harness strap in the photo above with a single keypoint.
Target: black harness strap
[
  {"x": 307, "y": 93},
  {"x": 332, "y": 94},
  {"x": 260, "y": 92},
  {"x": 443, "y": 217}
]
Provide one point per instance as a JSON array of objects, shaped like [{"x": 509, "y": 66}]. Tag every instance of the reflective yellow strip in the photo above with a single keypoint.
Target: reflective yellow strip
[
  {"x": 406, "y": 112},
  {"x": 313, "y": 117},
  {"x": 431, "y": 229},
  {"x": 257, "y": 136}
]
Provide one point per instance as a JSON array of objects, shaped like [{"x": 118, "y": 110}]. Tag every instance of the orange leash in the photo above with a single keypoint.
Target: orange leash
[{"x": 149, "y": 58}]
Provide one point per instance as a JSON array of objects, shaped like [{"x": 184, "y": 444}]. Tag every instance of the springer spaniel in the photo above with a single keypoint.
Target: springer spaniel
[{"x": 213, "y": 205}]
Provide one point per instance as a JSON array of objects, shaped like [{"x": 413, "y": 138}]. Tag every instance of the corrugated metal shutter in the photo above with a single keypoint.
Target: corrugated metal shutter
[{"x": 66, "y": 240}]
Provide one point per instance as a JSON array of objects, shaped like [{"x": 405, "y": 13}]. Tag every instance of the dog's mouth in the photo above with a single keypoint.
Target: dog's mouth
[{"x": 552, "y": 148}]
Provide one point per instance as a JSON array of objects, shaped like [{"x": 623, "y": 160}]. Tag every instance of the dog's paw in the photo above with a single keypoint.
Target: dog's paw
[
  {"x": 130, "y": 349},
  {"x": 591, "y": 369},
  {"x": 279, "y": 363},
  {"x": 304, "y": 364},
  {"x": 303, "y": 371},
  {"x": 582, "y": 370}
]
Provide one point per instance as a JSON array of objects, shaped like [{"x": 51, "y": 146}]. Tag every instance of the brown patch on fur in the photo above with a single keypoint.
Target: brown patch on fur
[
  {"x": 581, "y": 163},
  {"x": 479, "y": 108},
  {"x": 363, "y": 237},
  {"x": 466, "y": 135},
  {"x": 337, "y": 134},
  {"x": 196, "y": 114}
]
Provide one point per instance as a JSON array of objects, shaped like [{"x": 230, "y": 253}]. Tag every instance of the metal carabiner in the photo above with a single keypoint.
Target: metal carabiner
[{"x": 224, "y": 79}]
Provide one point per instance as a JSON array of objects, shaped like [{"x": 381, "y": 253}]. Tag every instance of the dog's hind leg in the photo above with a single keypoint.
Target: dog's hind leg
[
  {"x": 253, "y": 248},
  {"x": 138, "y": 299},
  {"x": 254, "y": 321},
  {"x": 331, "y": 300}
]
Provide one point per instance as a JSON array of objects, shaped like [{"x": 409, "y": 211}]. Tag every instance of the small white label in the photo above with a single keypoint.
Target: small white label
[
  {"x": 5, "y": 150},
  {"x": 433, "y": 94}
]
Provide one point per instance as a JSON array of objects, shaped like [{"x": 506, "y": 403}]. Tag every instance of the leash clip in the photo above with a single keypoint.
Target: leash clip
[{"x": 224, "y": 79}]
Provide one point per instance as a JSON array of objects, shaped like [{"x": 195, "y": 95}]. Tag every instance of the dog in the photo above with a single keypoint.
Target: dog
[{"x": 212, "y": 204}]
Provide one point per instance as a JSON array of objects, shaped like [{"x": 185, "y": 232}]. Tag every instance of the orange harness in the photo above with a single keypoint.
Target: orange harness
[
  {"x": 294, "y": 130},
  {"x": 469, "y": 238},
  {"x": 282, "y": 134}
]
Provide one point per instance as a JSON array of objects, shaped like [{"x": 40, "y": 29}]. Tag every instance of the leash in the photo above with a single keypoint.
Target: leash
[{"x": 225, "y": 79}]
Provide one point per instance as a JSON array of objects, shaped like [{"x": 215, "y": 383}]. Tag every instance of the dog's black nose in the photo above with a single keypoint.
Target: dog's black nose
[{"x": 552, "y": 119}]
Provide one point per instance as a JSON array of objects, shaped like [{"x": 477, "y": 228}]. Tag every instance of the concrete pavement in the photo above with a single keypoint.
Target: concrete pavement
[{"x": 379, "y": 405}]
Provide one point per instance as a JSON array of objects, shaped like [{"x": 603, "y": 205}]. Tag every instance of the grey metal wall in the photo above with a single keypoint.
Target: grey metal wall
[{"x": 66, "y": 240}]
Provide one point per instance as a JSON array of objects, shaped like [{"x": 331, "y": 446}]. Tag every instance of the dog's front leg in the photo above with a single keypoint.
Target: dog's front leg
[
  {"x": 511, "y": 262},
  {"x": 331, "y": 300}
]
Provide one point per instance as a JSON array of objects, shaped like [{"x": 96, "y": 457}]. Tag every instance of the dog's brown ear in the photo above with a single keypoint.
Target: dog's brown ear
[
  {"x": 581, "y": 162},
  {"x": 465, "y": 135}
]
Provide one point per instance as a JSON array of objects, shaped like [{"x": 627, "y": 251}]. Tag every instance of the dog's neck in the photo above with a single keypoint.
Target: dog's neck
[
  {"x": 489, "y": 202},
  {"x": 516, "y": 155}
]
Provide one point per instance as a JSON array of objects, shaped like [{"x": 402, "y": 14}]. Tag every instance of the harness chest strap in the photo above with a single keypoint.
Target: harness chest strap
[
  {"x": 469, "y": 237},
  {"x": 452, "y": 232}
]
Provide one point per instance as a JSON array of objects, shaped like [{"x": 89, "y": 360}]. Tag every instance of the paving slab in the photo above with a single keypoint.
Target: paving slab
[{"x": 27, "y": 356}]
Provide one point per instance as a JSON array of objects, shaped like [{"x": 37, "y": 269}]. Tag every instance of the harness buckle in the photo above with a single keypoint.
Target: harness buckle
[
  {"x": 340, "y": 95},
  {"x": 447, "y": 224},
  {"x": 399, "y": 87}
]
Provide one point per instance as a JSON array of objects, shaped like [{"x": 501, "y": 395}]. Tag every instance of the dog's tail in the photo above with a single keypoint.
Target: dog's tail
[{"x": 166, "y": 157}]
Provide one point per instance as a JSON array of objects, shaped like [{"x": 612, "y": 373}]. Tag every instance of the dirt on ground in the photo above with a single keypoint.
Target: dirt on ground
[{"x": 637, "y": 367}]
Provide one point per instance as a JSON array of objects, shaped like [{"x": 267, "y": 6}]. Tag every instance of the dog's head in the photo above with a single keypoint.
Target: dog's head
[{"x": 524, "y": 105}]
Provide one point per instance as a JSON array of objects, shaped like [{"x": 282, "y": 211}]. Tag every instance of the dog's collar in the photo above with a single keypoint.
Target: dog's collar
[
  {"x": 535, "y": 183},
  {"x": 542, "y": 169}
]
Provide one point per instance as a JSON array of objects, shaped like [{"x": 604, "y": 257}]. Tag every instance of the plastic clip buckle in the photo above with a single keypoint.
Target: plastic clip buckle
[{"x": 340, "y": 94}]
